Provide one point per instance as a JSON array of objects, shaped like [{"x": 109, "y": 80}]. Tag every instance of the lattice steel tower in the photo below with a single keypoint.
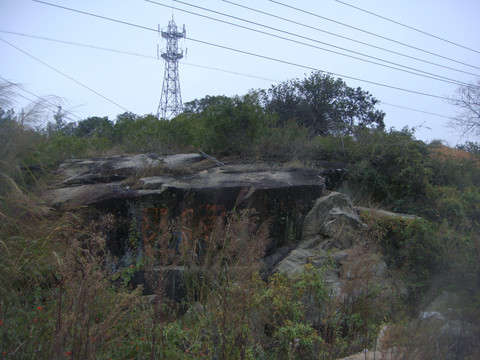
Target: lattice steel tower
[{"x": 171, "y": 98}]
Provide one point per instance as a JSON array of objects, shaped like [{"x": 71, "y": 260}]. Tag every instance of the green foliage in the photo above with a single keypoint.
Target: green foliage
[
  {"x": 146, "y": 133},
  {"x": 59, "y": 147},
  {"x": 298, "y": 341},
  {"x": 453, "y": 167},
  {"x": 17, "y": 145},
  {"x": 57, "y": 296},
  {"x": 334, "y": 147},
  {"x": 142, "y": 134},
  {"x": 413, "y": 246},
  {"x": 390, "y": 168},
  {"x": 283, "y": 143},
  {"x": 230, "y": 125},
  {"x": 323, "y": 104},
  {"x": 95, "y": 126}
]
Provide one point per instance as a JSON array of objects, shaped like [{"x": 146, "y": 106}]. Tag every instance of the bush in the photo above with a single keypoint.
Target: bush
[
  {"x": 337, "y": 148},
  {"x": 413, "y": 246},
  {"x": 60, "y": 147},
  {"x": 287, "y": 143},
  {"x": 390, "y": 168},
  {"x": 230, "y": 125}
]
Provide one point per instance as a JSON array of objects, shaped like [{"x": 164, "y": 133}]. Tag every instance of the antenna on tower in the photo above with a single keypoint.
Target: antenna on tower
[{"x": 171, "y": 98}]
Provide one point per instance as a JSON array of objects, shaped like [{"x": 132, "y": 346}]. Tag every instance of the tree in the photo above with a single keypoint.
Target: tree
[
  {"x": 198, "y": 105},
  {"x": 60, "y": 125},
  {"x": 323, "y": 104},
  {"x": 467, "y": 99},
  {"x": 95, "y": 126},
  {"x": 228, "y": 125}
]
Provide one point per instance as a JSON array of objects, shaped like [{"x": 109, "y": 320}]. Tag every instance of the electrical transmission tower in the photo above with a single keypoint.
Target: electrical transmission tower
[{"x": 171, "y": 98}]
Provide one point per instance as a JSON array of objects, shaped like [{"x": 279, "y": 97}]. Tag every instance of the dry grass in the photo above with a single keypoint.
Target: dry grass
[{"x": 87, "y": 309}]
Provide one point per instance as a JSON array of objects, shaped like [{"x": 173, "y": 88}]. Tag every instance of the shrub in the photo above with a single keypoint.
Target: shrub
[
  {"x": 390, "y": 168},
  {"x": 287, "y": 143},
  {"x": 413, "y": 246},
  {"x": 230, "y": 125},
  {"x": 57, "y": 301},
  {"x": 337, "y": 148}
]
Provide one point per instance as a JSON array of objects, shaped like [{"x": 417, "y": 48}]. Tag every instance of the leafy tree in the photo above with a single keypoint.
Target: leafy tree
[
  {"x": 60, "y": 125},
  {"x": 198, "y": 105},
  {"x": 467, "y": 99},
  {"x": 228, "y": 125},
  {"x": 323, "y": 104},
  {"x": 99, "y": 126},
  {"x": 124, "y": 125}
]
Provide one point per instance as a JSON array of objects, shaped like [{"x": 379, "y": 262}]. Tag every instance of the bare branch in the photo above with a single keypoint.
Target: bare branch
[{"x": 467, "y": 98}]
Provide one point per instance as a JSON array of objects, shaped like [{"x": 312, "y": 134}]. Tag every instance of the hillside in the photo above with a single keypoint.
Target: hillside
[{"x": 241, "y": 229}]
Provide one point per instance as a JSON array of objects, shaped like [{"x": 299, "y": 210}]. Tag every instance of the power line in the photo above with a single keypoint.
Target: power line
[
  {"x": 371, "y": 33},
  {"x": 97, "y": 16},
  {"x": 408, "y": 27},
  {"x": 347, "y": 38},
  {"x": 416, "y": 72},
  {"x": 77, "y": 44},
  {"x": 123, "y": 52},
  {"x": 314, "y": 69},
  {"x": 232, "y": 72},
  {"x": 417, "y": 110},
  {"x": 63, "y": 74},
  {"x": 436, "y": 77},
  {"x": 256, "y": 55},
  {"x": 188, "y": 64}
]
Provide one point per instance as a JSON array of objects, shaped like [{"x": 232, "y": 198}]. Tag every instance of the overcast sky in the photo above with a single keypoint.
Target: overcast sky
[{"x": 120, "y": 82}]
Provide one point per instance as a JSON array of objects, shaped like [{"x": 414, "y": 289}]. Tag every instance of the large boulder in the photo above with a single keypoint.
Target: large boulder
[
  {"x": 334, "y": 218},
  {"x": 330, "y": 227}
]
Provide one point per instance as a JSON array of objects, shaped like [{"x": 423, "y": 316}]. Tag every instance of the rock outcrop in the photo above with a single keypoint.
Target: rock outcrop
[
  {"x": 308, "y": 224},
  {"x": 144, "y": 191},
  {"x": 330, "y": 228}
]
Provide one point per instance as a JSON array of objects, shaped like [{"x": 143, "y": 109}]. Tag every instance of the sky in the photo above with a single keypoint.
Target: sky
[{"x": 100, "y": 67}]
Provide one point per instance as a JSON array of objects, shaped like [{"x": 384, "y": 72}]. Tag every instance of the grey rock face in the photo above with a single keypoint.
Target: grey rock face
[
  {"x": 330, "y": 227},
  {"x": 333, "y": 217}
]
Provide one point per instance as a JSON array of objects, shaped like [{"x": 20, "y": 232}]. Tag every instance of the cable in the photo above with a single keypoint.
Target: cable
[
  {"x": 408, "y": 27},
  {"x": 65, "y": 75},
  {"x": 370, "y": 33},
  {"x": 78, "y": 44},
  {"x": 417, "y": 110},
  {"x": 132, "y": 54},
  {"x": 232, "y": 72},
  {"x": 97, "y": 16},
  {"x": 347, "y": 38},
  {"x": 416, "y": 72},
  {"x": 314, "y": 69},
  {"x": 256, "y": 55},
  {"x": 189, "y": 64}
]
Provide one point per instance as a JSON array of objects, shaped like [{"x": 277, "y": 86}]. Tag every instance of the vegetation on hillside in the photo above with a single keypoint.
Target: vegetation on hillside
[{"x": 59, "y": 300}]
